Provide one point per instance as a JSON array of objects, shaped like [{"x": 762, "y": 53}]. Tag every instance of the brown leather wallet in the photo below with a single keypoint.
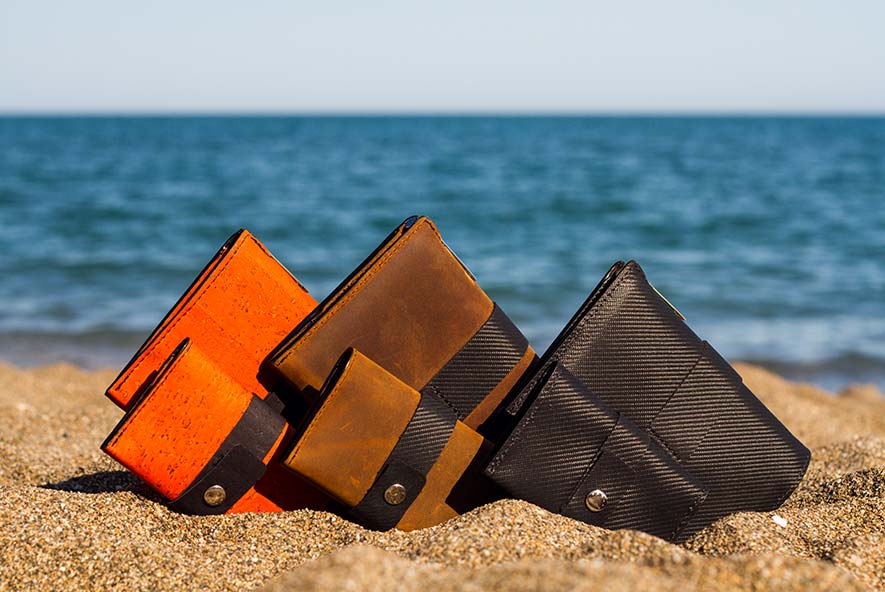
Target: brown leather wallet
[
  {"x": 206, "y": 443},
  {"x": 241, "y": 305},
  {"x": 414, "y": 309},
  {"x": 389, "y": 454}
]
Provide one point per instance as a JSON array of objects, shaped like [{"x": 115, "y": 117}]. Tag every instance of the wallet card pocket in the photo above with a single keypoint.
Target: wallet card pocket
[
  {"x": 239, "y": 308},
  {"x": 572, "y": 454},
  {"x": 206, "y": 444}
]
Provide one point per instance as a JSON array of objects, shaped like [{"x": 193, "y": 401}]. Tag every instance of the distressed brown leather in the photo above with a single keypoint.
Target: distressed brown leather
[
  {"x": 410, "y": 307},
  {"x": 393, "y": 312},
  {"x": 362, "y": 414}
]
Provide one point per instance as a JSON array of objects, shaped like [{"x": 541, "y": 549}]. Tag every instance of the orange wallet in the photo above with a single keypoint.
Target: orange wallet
[
  {"x": 242, "y": 304},
  {"x": 208, "y": 444},
  {"x": 198, "y": 406}
]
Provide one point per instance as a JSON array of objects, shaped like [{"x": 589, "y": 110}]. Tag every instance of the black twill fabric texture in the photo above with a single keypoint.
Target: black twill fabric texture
[
  {"x": 569, "y": 443},
  {"x": 484, "y": 361},
  {"x": 426, "y": 434},
  {"x": 647, "y": 489},
  {"x": 555, "y": 442},
  {"x": 632, "y": 350},
  {"x": 418, "y": 448}
]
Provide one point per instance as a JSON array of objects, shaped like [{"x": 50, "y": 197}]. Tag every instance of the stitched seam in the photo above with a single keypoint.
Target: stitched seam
[
  {"x": 439, "y": 394},
  {"x": 609, "y": 294},
  {"x": 698, "y": 500},
  {"x": 676, "y": 391},
  {"x": 357, "y": 288},
  {"x": 201, "y": 294},
  {"x": 663, "y": 444},
  {"x": 516, "y": 435}
]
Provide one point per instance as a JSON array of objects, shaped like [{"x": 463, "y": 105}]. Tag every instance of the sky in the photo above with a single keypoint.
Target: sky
[{"x": 449, "y": 56}]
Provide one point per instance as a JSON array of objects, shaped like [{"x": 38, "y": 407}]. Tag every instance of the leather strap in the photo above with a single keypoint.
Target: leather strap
[
  {"x": 419, "y": 447},
  {"x": 484, "y": 361},
  {"x": 239, "y": 462}
]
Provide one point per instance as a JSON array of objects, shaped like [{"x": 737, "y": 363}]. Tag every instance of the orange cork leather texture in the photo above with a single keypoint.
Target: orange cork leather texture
[
  {"x": 241, "y": 306},
  {"x": 175, "y": 430}
]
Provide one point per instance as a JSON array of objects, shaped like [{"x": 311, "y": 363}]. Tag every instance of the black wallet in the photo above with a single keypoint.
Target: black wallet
[{"x": 631, "y": 421}]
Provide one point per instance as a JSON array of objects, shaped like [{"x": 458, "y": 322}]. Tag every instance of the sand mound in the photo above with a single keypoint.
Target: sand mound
[{"x": 72, "y": 519}]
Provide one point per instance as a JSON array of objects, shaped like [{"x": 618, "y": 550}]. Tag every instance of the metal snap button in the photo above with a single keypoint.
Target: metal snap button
[
  {"x": 214, "y": 496},
  {"x": 596, "y": 500},
  {"x": 395, "y": 494}
]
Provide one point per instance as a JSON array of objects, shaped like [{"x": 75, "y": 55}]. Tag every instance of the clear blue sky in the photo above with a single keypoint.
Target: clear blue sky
[{"x": 451, "y": 55}]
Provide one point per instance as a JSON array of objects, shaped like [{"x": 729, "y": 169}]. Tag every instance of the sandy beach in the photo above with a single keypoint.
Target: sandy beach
[{"x": 73, "y": 519}]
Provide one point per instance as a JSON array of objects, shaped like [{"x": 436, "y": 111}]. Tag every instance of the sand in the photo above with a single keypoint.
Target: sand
[{"x": 71, "y": 518}]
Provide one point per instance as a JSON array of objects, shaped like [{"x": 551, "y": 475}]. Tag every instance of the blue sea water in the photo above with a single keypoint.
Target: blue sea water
[{"x": 767, "y": 233}]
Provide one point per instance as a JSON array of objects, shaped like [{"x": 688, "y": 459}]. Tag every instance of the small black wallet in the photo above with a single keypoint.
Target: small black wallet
[{"x": 631, "y": 421}]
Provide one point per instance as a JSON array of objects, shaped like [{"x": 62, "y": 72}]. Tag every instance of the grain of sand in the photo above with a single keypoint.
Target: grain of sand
[{"x": 71, "y": 518}]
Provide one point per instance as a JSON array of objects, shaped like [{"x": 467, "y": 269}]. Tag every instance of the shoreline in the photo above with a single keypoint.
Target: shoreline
[{"x": 75, "y": 519}]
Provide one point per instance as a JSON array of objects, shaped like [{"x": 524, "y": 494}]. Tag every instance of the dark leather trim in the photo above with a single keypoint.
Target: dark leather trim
[
  {"x": 411, "y": 459},
  {"x": 239, "y": 462},
  {"x": 484, "y": 361}
]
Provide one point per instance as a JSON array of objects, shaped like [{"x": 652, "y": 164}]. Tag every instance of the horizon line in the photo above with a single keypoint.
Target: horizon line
[{"x": 355, "y": 113}]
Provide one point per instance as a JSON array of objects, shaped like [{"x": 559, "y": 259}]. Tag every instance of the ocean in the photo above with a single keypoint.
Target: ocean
[{"x": 768, "y": 234}]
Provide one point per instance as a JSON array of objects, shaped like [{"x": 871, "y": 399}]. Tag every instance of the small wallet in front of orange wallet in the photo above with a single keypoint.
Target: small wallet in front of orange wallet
[
  {"x": 390, "y": 455},
  {"x": 206, "y": 443},
  {"x": 242, "y": 304}
]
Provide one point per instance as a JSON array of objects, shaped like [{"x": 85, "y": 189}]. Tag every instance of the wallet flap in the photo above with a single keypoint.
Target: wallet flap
[
  {"x": 573, "y": 455},
  {"x": 555, "y": 441},
  {"x": 636, "y": 484},
  {"x": 195, "y": 430},
  {"x": 359, "y": 418},
  {"x": 242, "y": 304},
  {"x": 371, "y": 437},
  {"x": 412, "y": 307}
]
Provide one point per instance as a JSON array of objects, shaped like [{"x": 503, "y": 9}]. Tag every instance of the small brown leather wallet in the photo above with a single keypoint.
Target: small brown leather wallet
[
  {"x": 387, "y": 453},
  {"x": 414, "y": 309}
]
